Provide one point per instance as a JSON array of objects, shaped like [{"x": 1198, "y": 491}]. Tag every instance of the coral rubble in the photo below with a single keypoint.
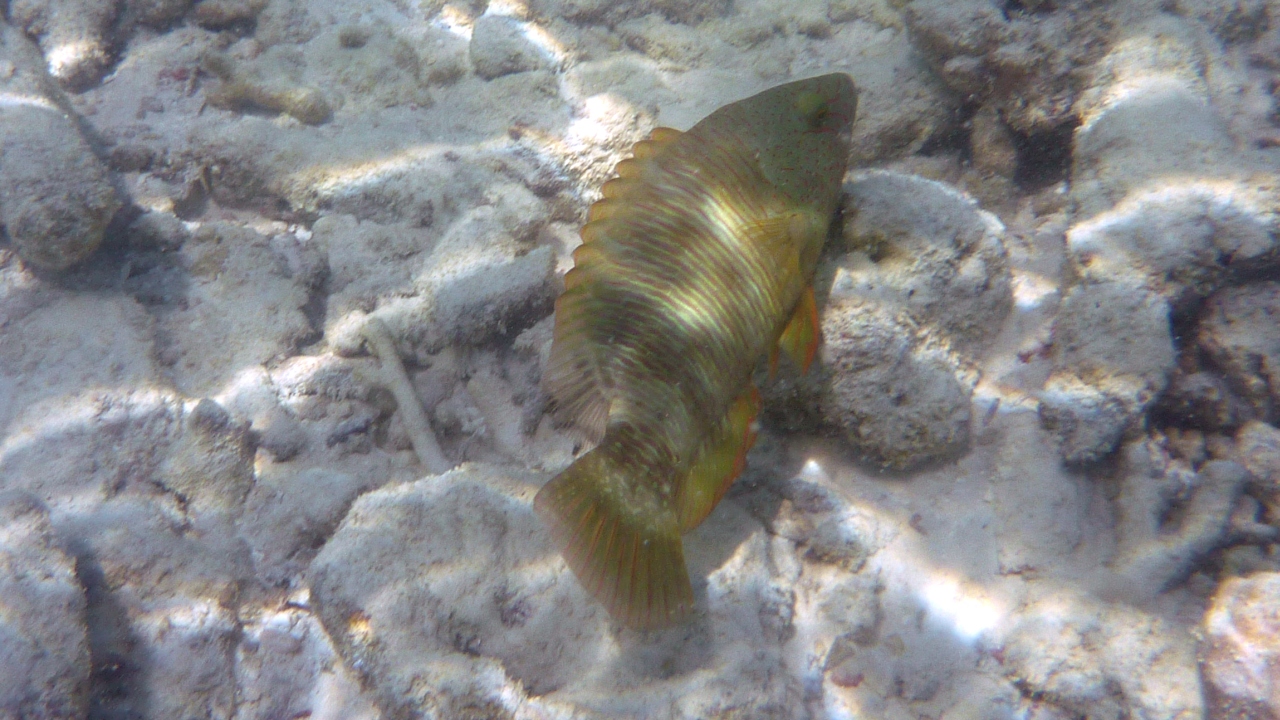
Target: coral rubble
[{"x": 276, "y": 290}]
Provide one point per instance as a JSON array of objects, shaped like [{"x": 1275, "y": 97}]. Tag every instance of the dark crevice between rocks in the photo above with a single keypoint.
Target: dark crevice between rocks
[
  {"x": 1013, "y": 9},
  {"x": 1043, "y": 158},
  {"x": 953, "y": 137},
  {"x": 316, "y": 310}
]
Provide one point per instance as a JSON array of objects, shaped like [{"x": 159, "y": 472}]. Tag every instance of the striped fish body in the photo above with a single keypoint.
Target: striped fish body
[{"x": 696, "y": 263}]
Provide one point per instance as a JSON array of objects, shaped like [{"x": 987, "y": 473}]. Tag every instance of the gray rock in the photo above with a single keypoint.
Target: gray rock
[
  {"x": 445, "y": 594},
  {"x": 932, "y": 253},
  {"x": 1169, "y": 517},
  {"x": 163, "y": 602},
  {"x": 1257, "y": 447},
  {"x": 895, "y": 399},
  {"x": 926, "y": 283},
  {"x": 57, "y": 198},
  {"x": 291, "y": 512},
  {"x": 1146, "y": 669},
  {"x": 1241, "y": 652},
  {"x": 1202, "y": 400},
  {"x": 44, "y": 653},
  {"x": 1240, "y": 332},
  {"x": 1112, "y": 355},
  {"x": 74, "y": 34},
  {"x": 221, "y": 329},
  {"x": 1165, "y": 212},
  {"x": 499, "y": 47},
  {"x": 484, "y": 278}
]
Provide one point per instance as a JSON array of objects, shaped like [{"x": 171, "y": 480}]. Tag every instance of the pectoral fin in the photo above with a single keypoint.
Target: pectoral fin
[
  {"x": 720, "y": 461},
  {"x": 800, "y": 338}
]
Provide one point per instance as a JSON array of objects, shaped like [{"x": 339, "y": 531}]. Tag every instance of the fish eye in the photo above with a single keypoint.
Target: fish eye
[{"x": 812, "y": 107}]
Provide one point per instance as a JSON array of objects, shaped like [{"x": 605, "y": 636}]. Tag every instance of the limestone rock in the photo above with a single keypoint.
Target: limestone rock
[
  {"x": 499, "y": 47},
  {"x": 221, "y": 330},
  {"x": 1241, "y": 649},
  {"x": 925, "y": 285},
  {"x": 896, "y": 399},
  {"x": 1112, "y": 354},
  {"x": 1257, "y": 447},
  {"x": 1241, "y": 334},
  {"x": 1155, "y": 550},
  {"x": 451, "y": 580},
  {"x": 58, "y": 198},
  {"x": 1165, "y": 212},
  {"x": 76, "y": 36},
  {"x": 44, "y": 651},
  {"x": 932, "y": 253}
]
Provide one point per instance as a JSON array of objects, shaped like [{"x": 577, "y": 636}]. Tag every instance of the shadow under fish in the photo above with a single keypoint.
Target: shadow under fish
[{"x": 698, "y": 261}]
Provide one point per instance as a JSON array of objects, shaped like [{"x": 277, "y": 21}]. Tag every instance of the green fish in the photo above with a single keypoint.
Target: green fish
[{"x": 698, "y": 261}]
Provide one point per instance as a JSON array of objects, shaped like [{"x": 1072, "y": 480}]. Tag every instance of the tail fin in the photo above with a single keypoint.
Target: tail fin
[{"x": 627, "y": 555}]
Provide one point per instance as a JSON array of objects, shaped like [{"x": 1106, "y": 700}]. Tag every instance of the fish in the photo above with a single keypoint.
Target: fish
[{"x": 697, "y": 261}]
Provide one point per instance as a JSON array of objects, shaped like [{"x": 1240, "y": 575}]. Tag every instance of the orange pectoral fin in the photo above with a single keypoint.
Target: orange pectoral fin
[
  {"x": 801, "y": 336},
  {"x": 720, "y": 461}
]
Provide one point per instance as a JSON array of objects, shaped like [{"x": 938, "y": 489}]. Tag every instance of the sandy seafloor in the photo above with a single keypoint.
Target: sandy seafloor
[{"x": 1036, "y": 473}]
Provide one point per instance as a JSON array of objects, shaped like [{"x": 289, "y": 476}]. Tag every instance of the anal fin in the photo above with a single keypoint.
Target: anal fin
[
  {"x": 801, "y": 336},
  {"x": 720, "y": 461}
]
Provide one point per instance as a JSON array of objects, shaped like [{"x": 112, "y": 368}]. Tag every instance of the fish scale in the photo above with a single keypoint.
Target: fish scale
[{"x": 697, "y": 262}]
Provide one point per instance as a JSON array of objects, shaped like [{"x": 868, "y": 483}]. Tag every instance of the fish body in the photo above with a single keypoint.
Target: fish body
[{"x": 697, "y": 262}]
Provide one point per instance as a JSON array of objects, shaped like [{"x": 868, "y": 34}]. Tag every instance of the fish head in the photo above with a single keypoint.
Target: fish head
[{"x": 802, "y": 132}]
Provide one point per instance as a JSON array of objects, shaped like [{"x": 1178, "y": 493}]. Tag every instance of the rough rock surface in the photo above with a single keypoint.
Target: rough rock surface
[
  {"x": 1164, "y": 214},
  {"x": 218, "y": 328},
  {"x": 1145, "y": 667},
  {"x": 1112, "y": 353},
  {"x": 75, "y": 36},
  {"x": 57, "y": 198},
  {"x": 1240, "y": 333},
  {"x": 1156, "y": 546},
  {"x": 1241, "y": 649},
  {"x": 43, "y": 648},
  {"x": 195, "y": 406},
  {"x": 1257, "y": 447},
  {"x": 925, "y": 285},
  {"x": 499, "y": 47},
  {"x": 462, "y": 559}
]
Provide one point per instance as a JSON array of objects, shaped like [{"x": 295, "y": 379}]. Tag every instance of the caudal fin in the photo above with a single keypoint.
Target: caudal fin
[{"x": 627, "y": 555}]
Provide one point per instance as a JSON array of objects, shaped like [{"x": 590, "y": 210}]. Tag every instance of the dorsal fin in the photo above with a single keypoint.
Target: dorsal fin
[
  {"x": 572, "y": 374},
  {"x": 663, "y": 136}
]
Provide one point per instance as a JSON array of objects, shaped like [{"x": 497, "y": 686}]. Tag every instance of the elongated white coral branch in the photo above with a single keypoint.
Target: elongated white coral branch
[{"x": 397, "y": 380}]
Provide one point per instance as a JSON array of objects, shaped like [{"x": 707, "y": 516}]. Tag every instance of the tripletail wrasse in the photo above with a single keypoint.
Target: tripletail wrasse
[{"x": 697, "y": 262}]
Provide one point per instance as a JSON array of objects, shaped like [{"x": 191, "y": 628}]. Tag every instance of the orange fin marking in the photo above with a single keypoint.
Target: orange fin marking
[
  {"x": 630, "y": 562},
  {"x": 720, "y": 460},
  {"x": 801, "y": 336}
]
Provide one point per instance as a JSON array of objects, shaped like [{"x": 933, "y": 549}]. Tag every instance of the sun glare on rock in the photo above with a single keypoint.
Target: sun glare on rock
[{"x": 967, "y": 613}]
